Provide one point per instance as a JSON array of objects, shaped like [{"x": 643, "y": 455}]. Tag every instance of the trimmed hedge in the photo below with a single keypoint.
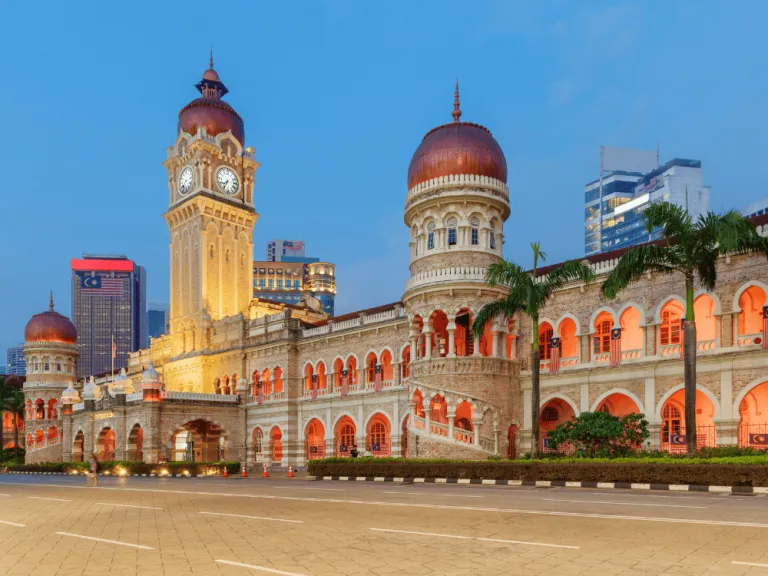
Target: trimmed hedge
[
  {"x": 648, "y": 471},
  {"x": 113, "y": 467}
]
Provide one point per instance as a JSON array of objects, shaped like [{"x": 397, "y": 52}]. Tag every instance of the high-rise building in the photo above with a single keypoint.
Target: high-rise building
[
  {"x": 15, "y": 363},
  {"x": 108, "y": 301},
  {"x": 288, "y": 275},
  {"x": 614, "y": 203},
  {"x": 157, "y": 320},
  {"x": 278, "y": 250}
]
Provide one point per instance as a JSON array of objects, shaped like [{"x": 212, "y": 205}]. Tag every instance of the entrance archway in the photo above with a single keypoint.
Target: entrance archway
[
  {"x": 276, "y": 444},
  {"x": 618, "y": 404},
  {"x": 315, "y": 440},
  {"x": 753, "y": 424},
  {"x": 78, "y": 447},
  {"x": 344, "y": 436},
  {"x": 258, "y": 445},
  {"x": 555, "y": 412},
  {"x": 198, "y": 441},
  {"x": 105, "y": 445},
  {"x": 378, "y": 438},
  {"x": 673, "y": 430},
  {"x": 135, "y": 445}
]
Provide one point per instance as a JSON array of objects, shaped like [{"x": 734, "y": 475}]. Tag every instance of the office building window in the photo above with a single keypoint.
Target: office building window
[
  {"x": 279, "y": 284},
  {"x": 270, "y": 283}
]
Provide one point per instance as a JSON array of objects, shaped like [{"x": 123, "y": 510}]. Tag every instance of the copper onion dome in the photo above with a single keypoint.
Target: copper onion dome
[
  {"x": 50, "y": 326},
  {"x": 457, "y": 148},
  {"x": 210, "y": 110}
]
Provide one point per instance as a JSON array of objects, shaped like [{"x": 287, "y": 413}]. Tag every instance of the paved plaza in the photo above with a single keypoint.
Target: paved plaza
[{"x": 53, "y": 525}]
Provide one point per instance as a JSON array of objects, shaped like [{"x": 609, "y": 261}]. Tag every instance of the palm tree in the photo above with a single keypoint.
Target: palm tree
[
  {"x": 5, "y": 391},
  {"x": 529, "y": 293},
  {"x": 15, "y": 405},
  {"x": 690, "y": 249}
]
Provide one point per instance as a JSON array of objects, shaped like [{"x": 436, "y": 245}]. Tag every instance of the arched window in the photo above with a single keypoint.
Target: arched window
[
  {"x": 549, "y": 414},
  {"x": 603, "y": 325},
  {"x": 545, "y": 336},
  {"x": 706, "y": 322},
  {"x": 452, "y": 225},
  {"x": 631, "y": 331},
  {"x": 493, "y": 234},
  {"x": 52, "y": 412},
  {"x": 430, "y": 236},
  {"x": 415, "y": 236},
  {"x": 569, "y": 342},
  {"x": 672, "y": 422},
  {"x": 671, "y": 328},
  {"x": 405, "y": 361},
  {"x": 40, "y": 409},
  {"x": 474, "y": 225},
  {"x": 751, "y": 303}
]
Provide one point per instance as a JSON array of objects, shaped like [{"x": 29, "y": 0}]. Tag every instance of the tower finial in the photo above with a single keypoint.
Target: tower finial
[
  {"x": 456, "y": 110},
  {"x": 210, "y": 61},
  {"x": 50, "y": 303}
]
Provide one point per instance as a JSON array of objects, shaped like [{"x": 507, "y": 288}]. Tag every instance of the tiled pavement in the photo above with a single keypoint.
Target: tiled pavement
[{"x": 189, "y": 526}]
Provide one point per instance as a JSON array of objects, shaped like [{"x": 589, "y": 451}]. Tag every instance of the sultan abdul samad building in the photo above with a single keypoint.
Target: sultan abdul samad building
[{"x": 246, "y": 379}]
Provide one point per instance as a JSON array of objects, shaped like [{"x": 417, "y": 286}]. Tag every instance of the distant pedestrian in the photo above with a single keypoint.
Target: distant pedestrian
[
  {"x": 93, "y": 470},
  {"x": 353, "y": 452}
]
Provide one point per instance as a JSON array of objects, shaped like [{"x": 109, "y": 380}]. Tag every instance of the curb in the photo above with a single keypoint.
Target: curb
[
  {"x": 555, "y": 484},
  {"x": 102, "y": 474}
]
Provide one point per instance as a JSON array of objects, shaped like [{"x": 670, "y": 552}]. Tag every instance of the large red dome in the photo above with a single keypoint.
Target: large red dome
[
  {"x": 457, "y": 148},
  {"x": 210, "y": 110},
  {"x": 50, "y": 326}
]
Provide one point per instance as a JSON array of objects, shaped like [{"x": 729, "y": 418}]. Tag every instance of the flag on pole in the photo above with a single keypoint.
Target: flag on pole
[
  {"x": 615, "y": 347},
  {"x": 377, "y": 379},
  {"x": 260, "y": 392},
  {"x": 765, "y": 327},
  {"x": 344, "y": 382},
  {"x": 554, "y": 355},
  {"x": 313, "y": 389},
  {"x": 114, "y": 347}
]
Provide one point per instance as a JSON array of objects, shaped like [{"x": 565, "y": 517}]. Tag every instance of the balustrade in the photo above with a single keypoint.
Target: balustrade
[
  {"x": 746, "y": 340},
  {"x": 706, "y": 346},
  {"x": 601, "y": 358},
  {"x": 419, "y": 422},
  {"x": 631, "y": 354},
  {"x": 464, "y": 436},
  {"x": 670, "y": 350},
  {"x": 438, "y": 429}
]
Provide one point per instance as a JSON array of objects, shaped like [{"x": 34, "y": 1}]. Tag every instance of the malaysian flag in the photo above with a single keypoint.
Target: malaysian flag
[
  {"x": 554, "y": 357},
  {"x": 765, "y": 327},
  {"x": 260, "y": 392},
  {"x": 101, "y": 285},
  {"x": 377, "y": 379},
  {"x": 313, "y": 389},
  {"x": 615, "y": 347},
  {"x": 344, "y": 382}
]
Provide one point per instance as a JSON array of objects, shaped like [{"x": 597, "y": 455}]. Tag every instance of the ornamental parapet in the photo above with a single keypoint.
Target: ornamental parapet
[
  {"x": 395, "y": 313},
  {"x": 469, "y": 365},
  {"x": 446, "y": 275},
  {"x": 482, "y": 184}
]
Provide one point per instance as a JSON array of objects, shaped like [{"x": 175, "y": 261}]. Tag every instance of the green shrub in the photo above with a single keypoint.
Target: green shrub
[
  {"x": 601, "y": 434},
  {"x": 10, "y": 453}
]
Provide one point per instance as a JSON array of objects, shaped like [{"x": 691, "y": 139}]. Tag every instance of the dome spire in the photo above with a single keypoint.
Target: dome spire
[
  {"x": 456, "y": 110},
  {"x": 50, "y": 303},
  {"x": 210, "y": 60}
]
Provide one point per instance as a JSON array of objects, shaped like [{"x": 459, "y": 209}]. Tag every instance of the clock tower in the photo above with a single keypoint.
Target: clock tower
[{"x": 211, "y": 216}]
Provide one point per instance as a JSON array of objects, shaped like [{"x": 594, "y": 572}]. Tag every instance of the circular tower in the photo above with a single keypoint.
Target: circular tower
[
  {"x": 50, "y": 348},
  {"x": 456, "y": 206}
]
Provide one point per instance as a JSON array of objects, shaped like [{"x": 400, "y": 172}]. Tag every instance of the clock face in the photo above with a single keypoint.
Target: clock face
[
  {"x": 185, "y": 180},
  {"x": 227, "y": 180}
]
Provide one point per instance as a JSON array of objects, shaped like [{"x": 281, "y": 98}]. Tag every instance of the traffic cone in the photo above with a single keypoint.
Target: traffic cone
[
  {"x": 266, "y": 474},
  {"x": 290, "y": 472},
  {"x": 243, "y": 473},
  {"x": 226, "y": 473}
]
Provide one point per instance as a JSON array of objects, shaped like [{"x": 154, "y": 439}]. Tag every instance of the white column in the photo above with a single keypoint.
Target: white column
[
  {"x": 451, "y": 417},
  {"x": 451, "y": 339},
  {"x": 414, "y": 347},
  {"x": 427, "y": 342},
  {"x": 495, "y": 343},
  {"x": 726, "y": 394},
  {"x": 650, "y": 400},
  {"x": 584, "y": 398}
]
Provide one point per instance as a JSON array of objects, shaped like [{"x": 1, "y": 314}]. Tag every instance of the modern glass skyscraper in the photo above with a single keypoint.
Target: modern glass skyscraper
[
  {"x": 157, "y": 320},
  {"x": 15, "y": 363},
  {"x": 108, "y": 301}
]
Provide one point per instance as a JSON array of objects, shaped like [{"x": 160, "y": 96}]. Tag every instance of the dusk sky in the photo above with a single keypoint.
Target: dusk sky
[{"x": 336, "y": 96}]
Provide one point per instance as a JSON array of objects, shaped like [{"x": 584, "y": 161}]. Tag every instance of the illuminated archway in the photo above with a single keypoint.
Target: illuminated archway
[
  {"x": 545, "y": 337},
  {"x": 135, "y": 445},
  {"x": 198, "y": 441},
  {"x": 706, "y": 323},
  {"x": 378, "y": 436},
  {"x": 438, "y": 416},
  {"x": 387, "y": 372},
  {"x": 569, "y": 342},
  {"x": 439, "y": 335},
  {"x": 308, "y": 373},
  {"x": 750, "y": 319},
  {"x": 601, "y": 336},
  {"x": 464, "y": 423},
  {"x": 53, "y": 412},
  {"x": 753, "y": 414},
  {"x": 553, "y": 413},
  {"x": 671, "y": 330},
  {"x": 618, "y": 404},
  {"x": 315, "y": 439},
  {"x": 673, "y": 422},
  {"x": 276, "y": 444},
  {"x": 257, "y": 443},
  {"x": 78, "y": 446},
  {"x": 344, "y": 436},
  {"x": 105, "y": 445},
  {"x": 463, "y": 338},
  {"x": 371, "y": 361},
  {"x": 631, "y": 333}
]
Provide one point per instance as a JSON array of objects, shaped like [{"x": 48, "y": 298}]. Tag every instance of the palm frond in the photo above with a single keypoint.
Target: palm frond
[
  {"x": 674, "y": 220},
  {"x": 568, "y": 272},
  {"x": 706, "y": 268},
  {"x": 504, "y": 307},
  {"x": 506, "y": 273},
  {"x": 637, "y": 262}
]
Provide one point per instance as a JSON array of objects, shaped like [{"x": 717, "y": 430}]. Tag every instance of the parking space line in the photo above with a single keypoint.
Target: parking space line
[
  {"x": 498, "y": 540},
  {"x": 259, "y": 568},
  {"x": 44, "y": 498},
  {"x": 750, "y": 564},
  {"x": 104, "y": 540},
  {"x": 128, "y": 506},
  {"x": 12, "y": 523},
  {"x": 253, "y": 517},
  {"x": 623, "y": 503}
]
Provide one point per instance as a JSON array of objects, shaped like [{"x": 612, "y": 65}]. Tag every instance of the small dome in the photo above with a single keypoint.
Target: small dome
[
  {"x": 457, "y": 148},
  {"x": 210, "y": 111},
  {"x": 150, "y": 380},
  {"x": 70, "y": 395},
  {"x": 91, "y": 391},
  {"x": 122, "y": 384},
  {"x": 50, "y": 326}
]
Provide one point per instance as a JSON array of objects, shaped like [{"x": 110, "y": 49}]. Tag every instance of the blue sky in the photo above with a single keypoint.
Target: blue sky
[{"x": 336, "y": 96}]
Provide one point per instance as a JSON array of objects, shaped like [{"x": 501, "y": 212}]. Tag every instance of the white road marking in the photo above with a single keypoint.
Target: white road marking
[
  {"x": 253, "y": 517},
  {"x": 308, "y": 488},
  {"x": 44, "y": 498},
  {"x": 476, "y": 538},
  {"x": 128, "y": 506},
  {"x": 140, "y": 546},
  {"x": 750, "y": 564},
  {"x": 623, "y": 503},
  {"x": 434, "y": 494},
  {"x": 432, "y": 506},
  {"x": 4, "y": 494},
  {"x": 653, "y": 496},
  {"x": 12, "y": 523},
  {"x": 259, "y": 568}
]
